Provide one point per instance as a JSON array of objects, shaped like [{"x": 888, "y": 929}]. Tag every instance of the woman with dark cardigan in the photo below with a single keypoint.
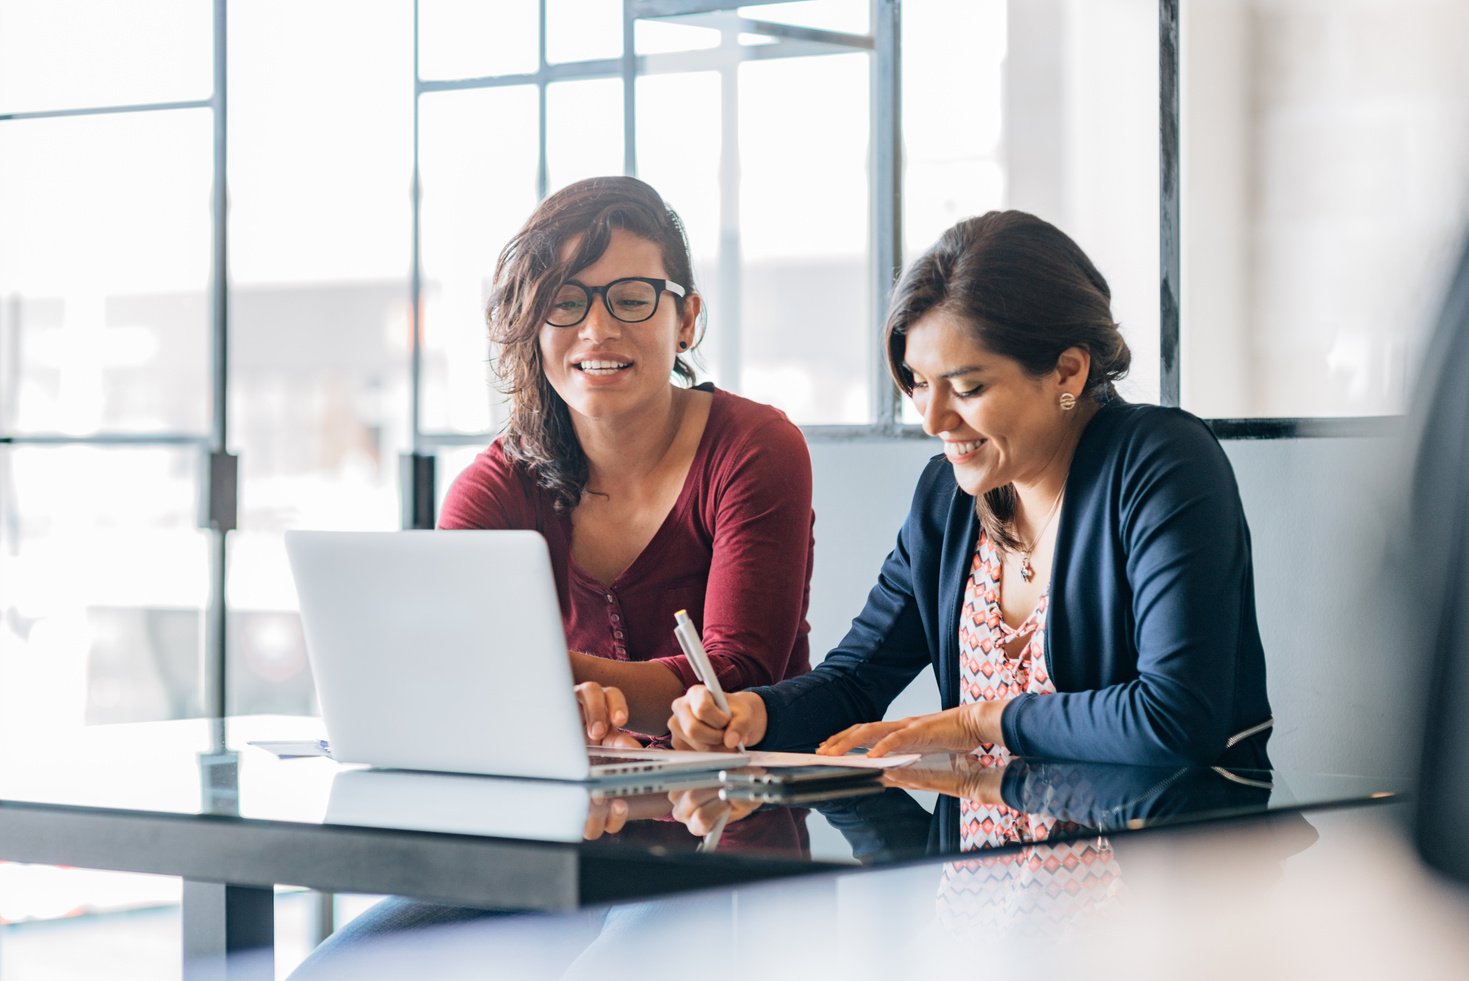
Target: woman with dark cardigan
[{"x": 1075, "y": 569}]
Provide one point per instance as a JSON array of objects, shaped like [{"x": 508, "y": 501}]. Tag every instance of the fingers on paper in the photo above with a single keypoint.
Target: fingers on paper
[{"x": 850, "y": 738}]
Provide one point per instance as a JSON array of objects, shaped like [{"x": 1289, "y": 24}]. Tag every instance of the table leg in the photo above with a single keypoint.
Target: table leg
[
  {"x": 229, "y": 932},
  {"x": 324, "y": 918}
]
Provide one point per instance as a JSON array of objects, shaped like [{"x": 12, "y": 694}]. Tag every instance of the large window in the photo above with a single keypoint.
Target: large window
[
  {"x": 756, "y": 124},
  {"x": 105, "y": 273}
]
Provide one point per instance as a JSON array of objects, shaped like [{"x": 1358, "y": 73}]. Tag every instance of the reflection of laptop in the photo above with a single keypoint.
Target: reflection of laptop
[
  {"x": 500, "y": 807},
  {"x": 444, "y": 651}
]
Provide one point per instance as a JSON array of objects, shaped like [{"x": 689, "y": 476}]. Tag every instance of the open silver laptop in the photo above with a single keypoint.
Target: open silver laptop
[{"x": 444, "y": 651}]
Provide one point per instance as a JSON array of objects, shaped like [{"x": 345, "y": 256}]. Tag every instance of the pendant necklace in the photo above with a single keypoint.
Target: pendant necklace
[{"x": 1027, "y": 571}]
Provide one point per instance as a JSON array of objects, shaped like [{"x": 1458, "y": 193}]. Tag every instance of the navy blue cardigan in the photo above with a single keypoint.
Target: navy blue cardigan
[{"x": 1151, "y": 637}]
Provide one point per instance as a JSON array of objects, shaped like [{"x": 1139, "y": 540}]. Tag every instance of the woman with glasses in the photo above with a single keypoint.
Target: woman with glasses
[
  {"x": 653, "y": 496},
  {"x": 1075, "y": 569}
]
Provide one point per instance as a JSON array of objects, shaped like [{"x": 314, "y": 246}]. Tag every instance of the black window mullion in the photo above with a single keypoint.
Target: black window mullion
[
  {"x": 543, "y": 164},
  {"x": 1169, "y": 243},
  {"x": 220, "y": 468},
  {"x": 629, "y": 92},
  {"x": 887, "y": 194},
  {"x": 416, "y": 490}
]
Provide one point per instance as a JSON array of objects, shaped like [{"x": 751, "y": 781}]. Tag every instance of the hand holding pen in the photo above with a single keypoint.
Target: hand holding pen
[
  {"x": 693, "y": 649},
  {"x": 705, "y": 718}
]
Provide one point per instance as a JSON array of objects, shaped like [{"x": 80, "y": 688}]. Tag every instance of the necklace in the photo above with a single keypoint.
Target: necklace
[{"x": 1027, "y": 571}]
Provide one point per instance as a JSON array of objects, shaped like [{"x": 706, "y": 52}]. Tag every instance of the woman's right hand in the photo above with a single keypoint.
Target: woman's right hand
[
  {"x": 699, "y": 810},
  {"x": 698, "y": 724}
]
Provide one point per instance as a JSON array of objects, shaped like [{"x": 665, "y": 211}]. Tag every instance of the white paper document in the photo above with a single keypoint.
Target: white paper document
[
  {"x": 290, "y": 749},
  {"x": 757, "y": 758}
]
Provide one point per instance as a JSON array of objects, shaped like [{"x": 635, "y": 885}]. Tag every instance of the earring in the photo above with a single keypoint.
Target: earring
[
  {"x": 1068, "y": 401},
  {"x": 683, "y": 345}
]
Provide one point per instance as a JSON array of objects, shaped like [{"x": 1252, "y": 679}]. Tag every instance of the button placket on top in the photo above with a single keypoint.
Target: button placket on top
[{"x": 614, "y": 622}]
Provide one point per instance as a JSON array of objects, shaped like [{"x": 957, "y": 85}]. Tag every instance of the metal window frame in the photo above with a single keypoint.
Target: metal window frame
[{"x": 885, "y": 201}]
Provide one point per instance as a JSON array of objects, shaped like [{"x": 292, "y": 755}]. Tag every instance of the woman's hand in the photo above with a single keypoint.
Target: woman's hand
[
  {"x": 957, "y": 730},
  {"x": 698, "y": 724},
  {"x": 609, "y": 815},
  {"x": 700, "y": 810},
  {"x": 604, "y": 713},
  {"x": 605, "y": 817},
  {"x": 958, "y": 776}
]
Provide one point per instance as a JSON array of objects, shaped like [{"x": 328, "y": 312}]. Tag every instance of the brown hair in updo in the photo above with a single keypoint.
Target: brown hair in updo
[{"x": 1028, "y": 293}]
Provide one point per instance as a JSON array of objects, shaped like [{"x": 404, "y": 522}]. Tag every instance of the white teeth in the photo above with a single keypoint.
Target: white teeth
[
  {"x": 601, "y": 367},
  {"x": 960, "y": 449}
]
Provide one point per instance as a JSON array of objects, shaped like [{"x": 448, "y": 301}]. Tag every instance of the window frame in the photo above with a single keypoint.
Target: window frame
[
  {"x": 885, "y": 198},
  {"x": 218, "y": 486}
]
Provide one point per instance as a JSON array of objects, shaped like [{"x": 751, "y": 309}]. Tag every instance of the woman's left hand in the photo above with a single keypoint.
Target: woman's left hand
[
  {"x": 604, "y": 713},
  {"x": 959, "y": 776},
  {"x": 956, "y": 730}
]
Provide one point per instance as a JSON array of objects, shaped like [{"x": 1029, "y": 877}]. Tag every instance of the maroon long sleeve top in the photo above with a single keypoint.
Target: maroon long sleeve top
[{"x": 735, "y": 551}]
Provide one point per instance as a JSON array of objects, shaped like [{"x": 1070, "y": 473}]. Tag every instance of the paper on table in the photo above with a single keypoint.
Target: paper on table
[
  {"x": 290, "y": 749},
  {"x": 757, "y": 758}
]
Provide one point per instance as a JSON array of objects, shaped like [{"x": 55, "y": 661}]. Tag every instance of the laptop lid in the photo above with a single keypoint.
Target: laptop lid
[{"x": 439, "y": 651}]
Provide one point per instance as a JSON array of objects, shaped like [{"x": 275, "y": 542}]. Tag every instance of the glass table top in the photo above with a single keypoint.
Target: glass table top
[{"x": 939, "y": 805}]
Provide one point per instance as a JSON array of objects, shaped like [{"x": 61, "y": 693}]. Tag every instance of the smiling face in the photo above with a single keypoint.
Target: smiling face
[
  {"x": 999, "y": 425},
  {"x": 603, "y": 367}
]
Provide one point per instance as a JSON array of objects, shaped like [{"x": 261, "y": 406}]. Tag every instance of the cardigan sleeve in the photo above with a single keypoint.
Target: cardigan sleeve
[
  {"x": 883, "y": 651},
  {"x": 1186, "y": 545}
]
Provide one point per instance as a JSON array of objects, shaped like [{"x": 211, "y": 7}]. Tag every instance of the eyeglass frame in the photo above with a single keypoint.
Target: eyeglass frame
[{"x": 660, "y": 287}]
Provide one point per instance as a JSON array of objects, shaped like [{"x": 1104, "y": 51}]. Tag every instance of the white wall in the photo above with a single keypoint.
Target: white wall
[
  {"x": 1080, "y": 147},
  {"x": 1325, "y": 144},
  {"x": 1323, "y": 594},
  {"x": 862, "y": 492}
]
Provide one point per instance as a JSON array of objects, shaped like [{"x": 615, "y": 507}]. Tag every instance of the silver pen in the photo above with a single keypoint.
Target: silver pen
[{"x": 693, "y": 649}]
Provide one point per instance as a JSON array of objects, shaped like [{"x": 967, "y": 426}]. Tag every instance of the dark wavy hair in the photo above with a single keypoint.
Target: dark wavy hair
[
  {"x": 1028, "y": 293},
  {"x": 531, "y": 268}
]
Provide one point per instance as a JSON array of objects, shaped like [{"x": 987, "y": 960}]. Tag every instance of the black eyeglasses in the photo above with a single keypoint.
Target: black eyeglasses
[{"x": 631, "y": 300}]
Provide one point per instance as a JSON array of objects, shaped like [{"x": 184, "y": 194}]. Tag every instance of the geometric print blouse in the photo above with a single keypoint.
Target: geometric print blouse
[{"x": 1040, "y": 883}]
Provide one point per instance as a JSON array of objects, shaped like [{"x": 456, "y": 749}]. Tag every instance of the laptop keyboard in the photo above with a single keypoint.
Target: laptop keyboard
[{"x": 604, "y": 759}]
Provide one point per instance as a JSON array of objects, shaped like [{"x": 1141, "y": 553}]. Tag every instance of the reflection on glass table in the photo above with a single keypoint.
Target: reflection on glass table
[
  {"x": 178, "y": 769},
  {"x": 194, "y": 799}
]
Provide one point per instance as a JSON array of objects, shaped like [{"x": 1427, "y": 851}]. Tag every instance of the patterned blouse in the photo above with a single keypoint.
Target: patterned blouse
[{"x": 1060, "y": 880}]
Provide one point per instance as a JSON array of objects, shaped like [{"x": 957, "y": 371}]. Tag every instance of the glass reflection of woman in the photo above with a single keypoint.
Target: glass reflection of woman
[
  {"x": 652, "y": 496},
  {"x": 1075, "y": 569}
]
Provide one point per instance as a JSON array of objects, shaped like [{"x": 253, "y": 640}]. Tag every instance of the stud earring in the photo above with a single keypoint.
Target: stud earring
[
  {"x": 683, "y": 345},
  {"x": 1068, "y": 401}
]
